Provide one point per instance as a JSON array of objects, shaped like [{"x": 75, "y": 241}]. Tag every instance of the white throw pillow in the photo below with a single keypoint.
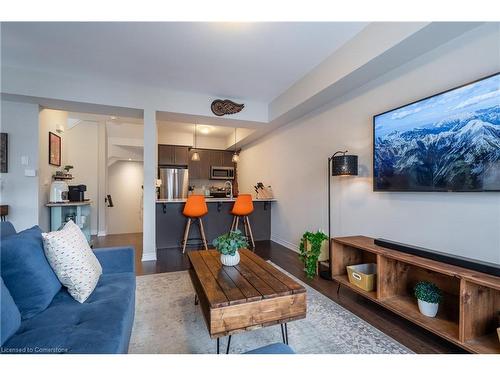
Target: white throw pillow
[{"x": 73, "y": 261}]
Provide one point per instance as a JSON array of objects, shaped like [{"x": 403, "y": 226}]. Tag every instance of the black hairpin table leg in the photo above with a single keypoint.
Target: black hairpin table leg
[
  {"x": 218, "y": 345},
  {"x": 284, "y": 333},
  {"x": 228, "y": 344}
]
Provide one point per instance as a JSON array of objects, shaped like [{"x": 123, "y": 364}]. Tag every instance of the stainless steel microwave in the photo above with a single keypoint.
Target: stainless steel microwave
[{"x": 221, "y": 173}]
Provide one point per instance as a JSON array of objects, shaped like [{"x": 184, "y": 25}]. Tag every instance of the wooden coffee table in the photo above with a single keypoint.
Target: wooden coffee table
[{"x": 250, "y": 295}]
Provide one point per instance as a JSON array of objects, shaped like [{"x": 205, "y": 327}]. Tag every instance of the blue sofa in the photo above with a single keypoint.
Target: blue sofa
[{"x": 39, "y": 316}]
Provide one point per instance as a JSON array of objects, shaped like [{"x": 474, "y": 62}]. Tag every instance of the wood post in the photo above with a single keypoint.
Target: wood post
[
  {"x": 250, "y": 230},
  {"x": 186, "y": 234},
  {"x": 202, "y": 231}
]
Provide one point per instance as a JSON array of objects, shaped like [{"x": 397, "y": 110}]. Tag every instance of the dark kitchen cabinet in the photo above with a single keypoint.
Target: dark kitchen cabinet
[
  {"x": 220, "y": 158},
  {"x": 181, "y": 155},
  {"x": 216, "y": 158},
  {"x": 194, "y": 167},
  {"x": 227, "y": 159},
  {"x": 204, "y": 164},
  {"x": 166, "y": 155},
  {"x": 199, "y": 170},
  {"x": 173, "y": 155}
]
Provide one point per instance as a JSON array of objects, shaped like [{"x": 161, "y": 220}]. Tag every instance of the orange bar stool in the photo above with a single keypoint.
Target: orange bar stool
[
  {"x": 243, "y": 206},
  {"x": 195, "y": 208}
]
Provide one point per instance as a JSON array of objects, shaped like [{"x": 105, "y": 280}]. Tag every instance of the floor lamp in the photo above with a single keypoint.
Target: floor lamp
[{"x": 339, "y": 164}]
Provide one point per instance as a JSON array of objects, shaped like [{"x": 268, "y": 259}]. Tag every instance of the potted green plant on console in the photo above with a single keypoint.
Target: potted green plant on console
[
  {"x": 312, "y": 245},
  {"x": 228, "y": 245},
  {"x": 428, "y": 296}
]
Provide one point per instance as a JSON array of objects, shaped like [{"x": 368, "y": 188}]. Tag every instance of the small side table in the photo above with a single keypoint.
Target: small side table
[{"x": 79, "y": 212}]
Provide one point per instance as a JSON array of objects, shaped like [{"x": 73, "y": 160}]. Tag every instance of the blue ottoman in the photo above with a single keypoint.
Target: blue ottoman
[{"x": 278, "y": 348}]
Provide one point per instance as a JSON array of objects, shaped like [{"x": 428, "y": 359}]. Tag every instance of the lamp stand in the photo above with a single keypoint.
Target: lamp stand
[{"x": 327, "y": 275}]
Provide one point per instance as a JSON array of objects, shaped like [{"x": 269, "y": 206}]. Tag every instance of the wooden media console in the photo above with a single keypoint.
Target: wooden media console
[{"x": 471, "y": 300}]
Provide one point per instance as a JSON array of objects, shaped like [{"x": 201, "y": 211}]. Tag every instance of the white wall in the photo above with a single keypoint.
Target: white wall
[
  {"x": 81, "y": 151},
  {"x": 20, "y": 122},
  {"x": 124, "y": 183},
  {"x": 96, "y": 89},
  {"x": 293, "y": 160},
  {"x": 103, "y": 178},
  {"x": 183, "y": 135},
  {"x": 167, "y": 136},
  {"x": 49, "y": 120}
]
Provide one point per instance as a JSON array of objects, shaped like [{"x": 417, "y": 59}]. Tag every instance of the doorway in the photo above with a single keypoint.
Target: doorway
[{"x": 124, "y": 199}]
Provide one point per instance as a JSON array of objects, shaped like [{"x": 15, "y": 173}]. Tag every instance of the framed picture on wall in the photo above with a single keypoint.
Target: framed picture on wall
[
  {"x": 54, "y": 149},
  {"x": 4, "y": 152}
]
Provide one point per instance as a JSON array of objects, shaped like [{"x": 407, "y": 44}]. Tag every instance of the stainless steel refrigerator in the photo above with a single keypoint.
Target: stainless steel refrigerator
[{"x": 174, "y": 183}]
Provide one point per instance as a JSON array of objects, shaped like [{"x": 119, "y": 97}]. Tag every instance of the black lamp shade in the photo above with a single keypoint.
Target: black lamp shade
[{"x": 345, "y": 165}]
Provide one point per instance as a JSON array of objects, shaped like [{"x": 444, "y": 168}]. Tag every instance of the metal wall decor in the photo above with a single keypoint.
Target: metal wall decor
[{"x": 225, "y": 107}]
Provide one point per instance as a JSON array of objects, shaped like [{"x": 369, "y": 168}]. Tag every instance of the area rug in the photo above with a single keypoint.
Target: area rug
[{"x": 167, "y": 321}]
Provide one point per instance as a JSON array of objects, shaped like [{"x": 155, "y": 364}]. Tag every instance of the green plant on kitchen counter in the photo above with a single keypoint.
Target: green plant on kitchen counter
[
  {"x": 229, "y": 243},
  {"x": 67, "y": 168},
  {"x": 309, "y": 254}
]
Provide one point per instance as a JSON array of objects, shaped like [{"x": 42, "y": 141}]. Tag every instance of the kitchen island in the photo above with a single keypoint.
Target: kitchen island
[{"x": 170, "y": 222}]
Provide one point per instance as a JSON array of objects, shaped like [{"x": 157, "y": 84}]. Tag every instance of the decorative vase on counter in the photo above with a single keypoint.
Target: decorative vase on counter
[
  {"x": 230, "y": 260},
  {"x": 228, "y": 245}
]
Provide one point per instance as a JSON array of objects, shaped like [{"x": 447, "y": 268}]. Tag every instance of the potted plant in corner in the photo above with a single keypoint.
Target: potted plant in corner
[
  {"x": 228, "y": 245},
  {"x": 428, "y": 296},
  {"x": 311, "y": 246}
]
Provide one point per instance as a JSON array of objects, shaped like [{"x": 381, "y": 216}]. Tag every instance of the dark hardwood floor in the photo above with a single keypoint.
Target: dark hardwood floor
[{"x": 412, "y": 336}]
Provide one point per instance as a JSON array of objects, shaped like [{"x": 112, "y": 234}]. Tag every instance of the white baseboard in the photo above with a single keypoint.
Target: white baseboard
[
  {"x": 101, "y": 233},
  {"x": 285, "y": 243},
  {"x": 148, "y": 256},
  {"x": 93, "y": 232}
]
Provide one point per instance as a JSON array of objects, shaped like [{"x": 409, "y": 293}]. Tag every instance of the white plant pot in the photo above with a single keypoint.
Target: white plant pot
[
  {"x": 428, "y": 309},
  {"x": 230, "y": 260}
]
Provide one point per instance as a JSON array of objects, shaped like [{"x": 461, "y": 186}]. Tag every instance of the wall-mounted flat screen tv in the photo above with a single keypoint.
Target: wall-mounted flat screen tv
[{"x": 446, "y": 142}]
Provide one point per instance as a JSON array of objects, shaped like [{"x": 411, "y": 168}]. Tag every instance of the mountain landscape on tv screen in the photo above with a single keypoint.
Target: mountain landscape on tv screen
[{"x": 457, "y": 152}]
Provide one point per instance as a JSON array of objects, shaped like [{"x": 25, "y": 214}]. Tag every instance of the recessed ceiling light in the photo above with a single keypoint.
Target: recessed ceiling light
[
  {"x": 113, "y": 117},
  {"x": 129, "y": 159},
  {"x": 204, "y": 129}
]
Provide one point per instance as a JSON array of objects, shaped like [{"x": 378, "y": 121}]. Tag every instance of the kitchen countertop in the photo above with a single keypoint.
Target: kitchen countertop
[
  {"x": 64, "y": 204},
  {"x": 208, "y": 200}
]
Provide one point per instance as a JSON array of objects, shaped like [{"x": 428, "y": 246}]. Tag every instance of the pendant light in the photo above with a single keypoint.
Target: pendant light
[
  {"x": 196, "y": 155},
  {"x": 235, "y": 157}
]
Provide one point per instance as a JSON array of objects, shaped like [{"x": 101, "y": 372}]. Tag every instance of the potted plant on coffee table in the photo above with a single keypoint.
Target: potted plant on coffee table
[
  {"x": 228, "y": 245},
  {"x": 310, "y": 248},
  {"x": 428, "y": 296}
]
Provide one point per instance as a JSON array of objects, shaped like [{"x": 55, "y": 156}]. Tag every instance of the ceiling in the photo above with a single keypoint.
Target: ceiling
[
  {"x": 126, "y": 127},
  {"x": 251, "y": 61},
  {"x": 208, "y": 130}
]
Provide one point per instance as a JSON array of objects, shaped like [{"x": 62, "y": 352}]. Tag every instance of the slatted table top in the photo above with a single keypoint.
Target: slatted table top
[{"x": 253, "y": 279}]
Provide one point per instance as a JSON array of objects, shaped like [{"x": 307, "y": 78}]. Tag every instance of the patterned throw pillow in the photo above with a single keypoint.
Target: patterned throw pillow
[{"x": 71, "y": 258}]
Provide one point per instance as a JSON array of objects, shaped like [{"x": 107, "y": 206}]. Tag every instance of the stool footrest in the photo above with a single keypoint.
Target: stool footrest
[{"x": 193, "y": 242}]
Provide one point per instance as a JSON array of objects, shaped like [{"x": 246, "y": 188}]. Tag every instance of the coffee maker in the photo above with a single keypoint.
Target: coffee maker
[{"x": 77, "y": 193}]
